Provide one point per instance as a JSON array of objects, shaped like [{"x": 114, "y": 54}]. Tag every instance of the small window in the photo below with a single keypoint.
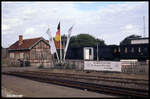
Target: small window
[
  {"x": 119, "y": 49},
  {"x": 11, "y": 55},
  {"x": 145, "y": 50},
  {"x": 126, "y": 50},
  {"x": 115, "y": 50},
  {"x": 17, "y": 55},
  {"x": 26, "y": 56},
  {"x": 139, "y": 49},
  {"x": 33, "y": 55},
  {"x": 90, "y": 51},
  {"x": 132, "y": 50},
  {"x": 21, "y": 55}
]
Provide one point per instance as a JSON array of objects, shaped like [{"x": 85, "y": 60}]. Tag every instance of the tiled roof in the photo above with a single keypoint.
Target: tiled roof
[{"x": 27, "y": 43}]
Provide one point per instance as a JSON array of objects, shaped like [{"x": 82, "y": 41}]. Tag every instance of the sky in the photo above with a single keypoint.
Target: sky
[{"x": 110, "y": 21}]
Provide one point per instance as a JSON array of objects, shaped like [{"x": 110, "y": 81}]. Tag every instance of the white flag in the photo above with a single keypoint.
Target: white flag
[
  {"x": 68, "y": 39},
  {"x": 51, "y": 42}
]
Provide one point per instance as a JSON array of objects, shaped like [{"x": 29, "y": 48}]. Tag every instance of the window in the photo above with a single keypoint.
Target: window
[
  {"x": 90, "y": 51},
  {"x": 139, "y": 49},
  {"x": 11, "y": 55},
  {"x": 132, "y": 50},
  {"x": 26, "y": 56},
  {"x": 145, "y": 50},
  {"x": 38, "y": 56},
  {"x": 115, "y": 50},
  {"x": 119, "y": 49},
  {"x": 17, "y": 55},
  {"x": 21, "y": 55},
  {"x": 32, "y": 54},
  {"x": 126, "y": 50}
]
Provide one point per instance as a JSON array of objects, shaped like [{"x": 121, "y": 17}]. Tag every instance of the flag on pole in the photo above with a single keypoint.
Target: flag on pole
[
  {"x": 68, "y": 39},
  {"x": 57, "y": 37},
  {"x": 58, "y": 41},
  {"x": 51, "y": 42}
]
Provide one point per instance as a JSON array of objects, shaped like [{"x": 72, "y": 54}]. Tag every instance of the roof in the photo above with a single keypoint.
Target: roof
[
  {"x": 139, "y": 38},
  {"x": 29, "y": 43}
]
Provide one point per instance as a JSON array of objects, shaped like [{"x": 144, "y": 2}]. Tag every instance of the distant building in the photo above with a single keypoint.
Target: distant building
[
  {"x": 36, "y": 51},
  {"x": 4, "y": 53},
  {"x": 140, "y": 41}
]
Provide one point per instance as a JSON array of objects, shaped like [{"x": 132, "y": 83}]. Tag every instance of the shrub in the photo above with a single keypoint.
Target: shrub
[
  {"x": 27, "y": 63},
  {"x": 41, "y": 66},
  {"x": 14, "y": 65}
]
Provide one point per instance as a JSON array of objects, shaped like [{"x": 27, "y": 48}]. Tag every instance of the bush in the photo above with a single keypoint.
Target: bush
[
  {"x": 14, "y": 65},
  {"x": 41, "y": 66},
  {"x": 5, "y": 61},
  {"x": 27, "y": 63}
]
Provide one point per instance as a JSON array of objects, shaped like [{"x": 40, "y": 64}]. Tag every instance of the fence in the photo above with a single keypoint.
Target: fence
[
  {"x": 126, "y": 67},
  {"x": 135, "y": 67},
  {"x": 79, "y": 64}
]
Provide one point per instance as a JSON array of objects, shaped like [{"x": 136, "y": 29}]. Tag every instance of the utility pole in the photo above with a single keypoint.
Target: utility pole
[
  {"x": 97, "y": 50},
  {"x": 143, "y": 26}
]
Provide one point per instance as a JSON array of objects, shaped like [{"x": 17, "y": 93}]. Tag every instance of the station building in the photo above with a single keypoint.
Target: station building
[{"x": 35, "y": 51}]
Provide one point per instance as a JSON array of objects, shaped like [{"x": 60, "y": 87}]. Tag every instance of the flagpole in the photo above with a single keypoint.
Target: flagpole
[
  {"x": 66, "y": 49},
  {"x": 56, "y": 50},
  {"x": 52, "y": 44},
  {"x": 68, "y": 39},
  {"x": 60, "y": 49},
  {"x": 57, "y": 56}
]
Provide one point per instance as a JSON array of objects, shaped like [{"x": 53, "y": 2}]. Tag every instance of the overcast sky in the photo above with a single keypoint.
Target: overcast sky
[{"x": 110, "y": 21}]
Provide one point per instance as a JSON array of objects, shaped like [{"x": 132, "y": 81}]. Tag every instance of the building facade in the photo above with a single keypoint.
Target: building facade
[{"x": 35, "y": 51}]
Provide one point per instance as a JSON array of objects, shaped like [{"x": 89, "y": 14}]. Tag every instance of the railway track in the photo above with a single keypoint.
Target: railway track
[
  {"x": 54, "y": 79},
  {"x": 93, "y": 78}
]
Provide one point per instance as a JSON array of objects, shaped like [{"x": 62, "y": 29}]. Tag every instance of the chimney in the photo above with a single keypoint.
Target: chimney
[{"x": 20, "y": 39}]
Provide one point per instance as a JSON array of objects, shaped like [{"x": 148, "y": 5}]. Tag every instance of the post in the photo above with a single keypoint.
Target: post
[
  {"x": 144, "y": 26},
  {"x": 60, "y": 51},
  {"x": 65, "y": 51},
  {"x": 53, "y": 61},
  {"x": 97, "y": 52},
  {"x": 57, "y": 56}
]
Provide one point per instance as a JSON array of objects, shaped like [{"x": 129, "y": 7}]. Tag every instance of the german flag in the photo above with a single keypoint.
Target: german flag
[{"x": 57, "y": 37}]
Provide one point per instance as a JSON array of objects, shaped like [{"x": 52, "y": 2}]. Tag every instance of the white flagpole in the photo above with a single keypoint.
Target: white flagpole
[
  {"x": 57, "y": 55},
  {"x": 60, "y": 49},
  {"x": 65, "y": 51},
  {"x": 68, "y": 39},
  {"x": 50, "y": 43}
]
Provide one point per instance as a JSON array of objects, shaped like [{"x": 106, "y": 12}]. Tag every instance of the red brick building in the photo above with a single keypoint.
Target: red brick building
[{"x": 36, "y": 51}]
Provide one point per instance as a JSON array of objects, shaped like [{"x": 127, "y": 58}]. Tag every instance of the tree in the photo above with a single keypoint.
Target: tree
[
  {"x": 127, "y": 40},
  {"x": 82, "y": 40}
]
